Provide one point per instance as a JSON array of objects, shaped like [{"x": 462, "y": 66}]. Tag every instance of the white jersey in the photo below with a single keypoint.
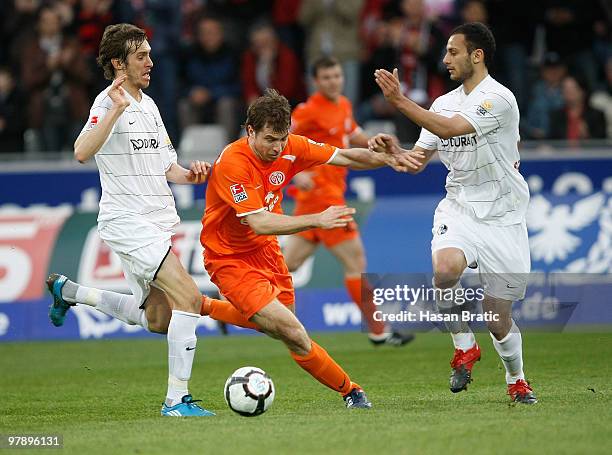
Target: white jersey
[
  {"x": 133, "y": 163},
  {"x": 483, "y": 167}
]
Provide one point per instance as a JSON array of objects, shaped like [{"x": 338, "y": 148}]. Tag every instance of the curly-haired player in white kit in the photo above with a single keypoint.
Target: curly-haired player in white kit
[
  {"x": 136, "y": 160},
  {"x": 481, "y": 221}
]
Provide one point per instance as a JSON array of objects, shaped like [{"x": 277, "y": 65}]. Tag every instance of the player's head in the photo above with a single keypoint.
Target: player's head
[
  {"x": 328, "y": 77},
  {"x": 124, "y": 49},
  {"x": 267, "y": 124},
  {"x": 470, "y": 48}
]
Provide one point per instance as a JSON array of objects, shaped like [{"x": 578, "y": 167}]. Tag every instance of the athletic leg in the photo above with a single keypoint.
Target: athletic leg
[{"x": 278, "y": 321}]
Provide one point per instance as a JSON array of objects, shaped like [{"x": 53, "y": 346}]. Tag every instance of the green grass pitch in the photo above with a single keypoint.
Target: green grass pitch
[{"x": 105, "y": 396}]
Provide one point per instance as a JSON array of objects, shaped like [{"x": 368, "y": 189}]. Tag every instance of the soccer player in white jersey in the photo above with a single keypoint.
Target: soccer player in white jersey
[
  {"x": 136, "y": 160},
  {"x": 481, "y": 221}
]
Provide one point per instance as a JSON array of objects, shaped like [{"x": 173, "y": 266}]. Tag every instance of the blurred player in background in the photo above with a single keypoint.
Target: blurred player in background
[
  {"x": 327, "y": 117},
  {"x": 481, "y": 222},
  {"x": 127, "y": 137},
  {"x": 242, "y": 218}
]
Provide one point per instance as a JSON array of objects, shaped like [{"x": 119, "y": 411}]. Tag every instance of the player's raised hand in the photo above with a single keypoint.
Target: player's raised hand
[
  {"x": 117, "y": 93},
  {"x": 198, "y": 172},
  {"x": 336, "y": 216},
  {"x": 389, "y": 84}
]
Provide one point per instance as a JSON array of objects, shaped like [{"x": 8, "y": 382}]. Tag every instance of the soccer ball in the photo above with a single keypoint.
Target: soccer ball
[{"x": 249, "y": 391}]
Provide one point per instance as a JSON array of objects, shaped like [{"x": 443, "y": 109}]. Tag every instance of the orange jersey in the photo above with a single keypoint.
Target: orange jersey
[
  {"x": 323, "y": 120},
  {"x": 241, "y": 184}
]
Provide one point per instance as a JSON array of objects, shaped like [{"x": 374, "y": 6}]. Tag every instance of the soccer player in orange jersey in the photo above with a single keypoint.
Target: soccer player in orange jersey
[
  {"x": 327, "y": 117},
  {"x": 242, "y": 218}
]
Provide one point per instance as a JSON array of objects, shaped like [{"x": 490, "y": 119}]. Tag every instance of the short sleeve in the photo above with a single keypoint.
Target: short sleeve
[
  {"x": 427, "y": 139},
  {"x": 97, "y": 112},
  {"x": 490, "y": 112},
  {"x": 301, "y": 122},
  {"x": 233, "y": 184},
  {"x": 309, "y": 153}
]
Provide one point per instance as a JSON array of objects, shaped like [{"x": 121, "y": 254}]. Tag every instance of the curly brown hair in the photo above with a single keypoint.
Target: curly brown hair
[
  {"x": 271, "y": 109},
  {"x": 118, "y": 41}
]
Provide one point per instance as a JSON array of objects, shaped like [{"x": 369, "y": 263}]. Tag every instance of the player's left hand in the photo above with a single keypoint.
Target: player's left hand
[
  {"x": 198, "y": 172},
  {"x": 389, "y": 84}
]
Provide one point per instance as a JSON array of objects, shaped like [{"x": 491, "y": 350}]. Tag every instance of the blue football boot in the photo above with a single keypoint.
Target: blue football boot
[
  {"x": 59, "y": 307},
  {"x": 187, "y": 408}
]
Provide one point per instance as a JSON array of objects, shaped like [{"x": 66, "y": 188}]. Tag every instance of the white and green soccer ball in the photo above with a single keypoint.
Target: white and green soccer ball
[{"x": 249, "y": 391}]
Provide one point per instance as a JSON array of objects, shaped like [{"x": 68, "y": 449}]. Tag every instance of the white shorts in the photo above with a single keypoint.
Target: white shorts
[
  {"x": 142, "y": 248},
  {"x": 499, "y": 253}
]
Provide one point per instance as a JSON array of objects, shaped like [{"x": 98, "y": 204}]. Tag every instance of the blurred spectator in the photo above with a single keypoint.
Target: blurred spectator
[
  {"x": 239, "y": 16},
  {"x": 18, "y": 23},
  {"x": 546, "y": 97},
  {"x": 92, "y": 18},
  {"x": 569, "y": 27},
  {"x": 12, "y": 118},
  {"x": 285, "y": 19},
  {"x": 373, "y": 23},
  {"x": 419, "y": 44},
  {"x": 56, "y": 78},
  {"x": 602, "y": 98},
  {"x": 270, "y": 64},
  {"x": 332, "y": 29},
  {"x": 210, "y": 74},
  {"x": 576, "y": 120},
  {"x": 514, "y": 26}
]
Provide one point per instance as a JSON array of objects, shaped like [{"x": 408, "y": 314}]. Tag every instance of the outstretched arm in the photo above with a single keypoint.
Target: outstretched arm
[
  {"x": 368, "y": 159},
  {"x": 418, "y": 157},
  {"x": 441, "y": 126},
  {"x": 267, "y": 223},
  {"x": 196, "y": 174}
]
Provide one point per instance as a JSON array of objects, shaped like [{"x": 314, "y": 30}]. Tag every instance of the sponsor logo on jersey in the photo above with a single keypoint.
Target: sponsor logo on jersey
[
  {"x": 276, "y": 178},
  {"x": 238, "y": 193},
  {"x": 93, "y": 121},
  {"x": 459, "y": 141},
  {"x": 442, "y": 229},
  {"x": 139, "y": 144},
  {"x": 484, "y": 108}
]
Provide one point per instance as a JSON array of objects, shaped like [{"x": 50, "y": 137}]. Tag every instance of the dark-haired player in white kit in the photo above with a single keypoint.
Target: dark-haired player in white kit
[
  {"x": 481, "y": 221},
  {"x": 136, "y": 160}
]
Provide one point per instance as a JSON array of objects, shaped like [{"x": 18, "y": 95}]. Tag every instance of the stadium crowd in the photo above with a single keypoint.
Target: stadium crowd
[{"x": 212, "y": 57}]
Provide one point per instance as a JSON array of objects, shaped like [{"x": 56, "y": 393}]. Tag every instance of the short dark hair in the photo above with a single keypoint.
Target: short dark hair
[
  {"x": 118, "y": 41},
  {"x": 478, "y": 36},
  {"x": 270, "y": 109},
  {"x": 323, "y": 63}
]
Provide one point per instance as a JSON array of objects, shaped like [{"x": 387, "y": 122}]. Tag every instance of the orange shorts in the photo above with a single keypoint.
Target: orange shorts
[
  {"x": 331, "y": 237},
  {"x": 251, "y": 281}
]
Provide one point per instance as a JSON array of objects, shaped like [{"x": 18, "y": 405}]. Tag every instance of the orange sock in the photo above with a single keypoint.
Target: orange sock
[
  {"x": 324, "y": 369},
  {"x": 365, "y": 304},
  {"x": 221, "y": 310}
]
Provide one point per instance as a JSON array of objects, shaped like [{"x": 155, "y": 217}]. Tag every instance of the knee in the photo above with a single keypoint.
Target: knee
[
  {"x": 293, "y": 263},
  {"x": 357, "y": 265},
  {"x": 447, "y": 272},
  {"x": 159, "y": 321},
  {"x": 190, "y": 303}
]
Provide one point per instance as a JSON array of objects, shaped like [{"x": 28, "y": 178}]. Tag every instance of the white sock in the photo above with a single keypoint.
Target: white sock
[
  {"x": 510, "y": 350},
  {"x": 181, "y": 350},
  {"x": 464, "y": 340},
  {"x": 119, "y": 306}
]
